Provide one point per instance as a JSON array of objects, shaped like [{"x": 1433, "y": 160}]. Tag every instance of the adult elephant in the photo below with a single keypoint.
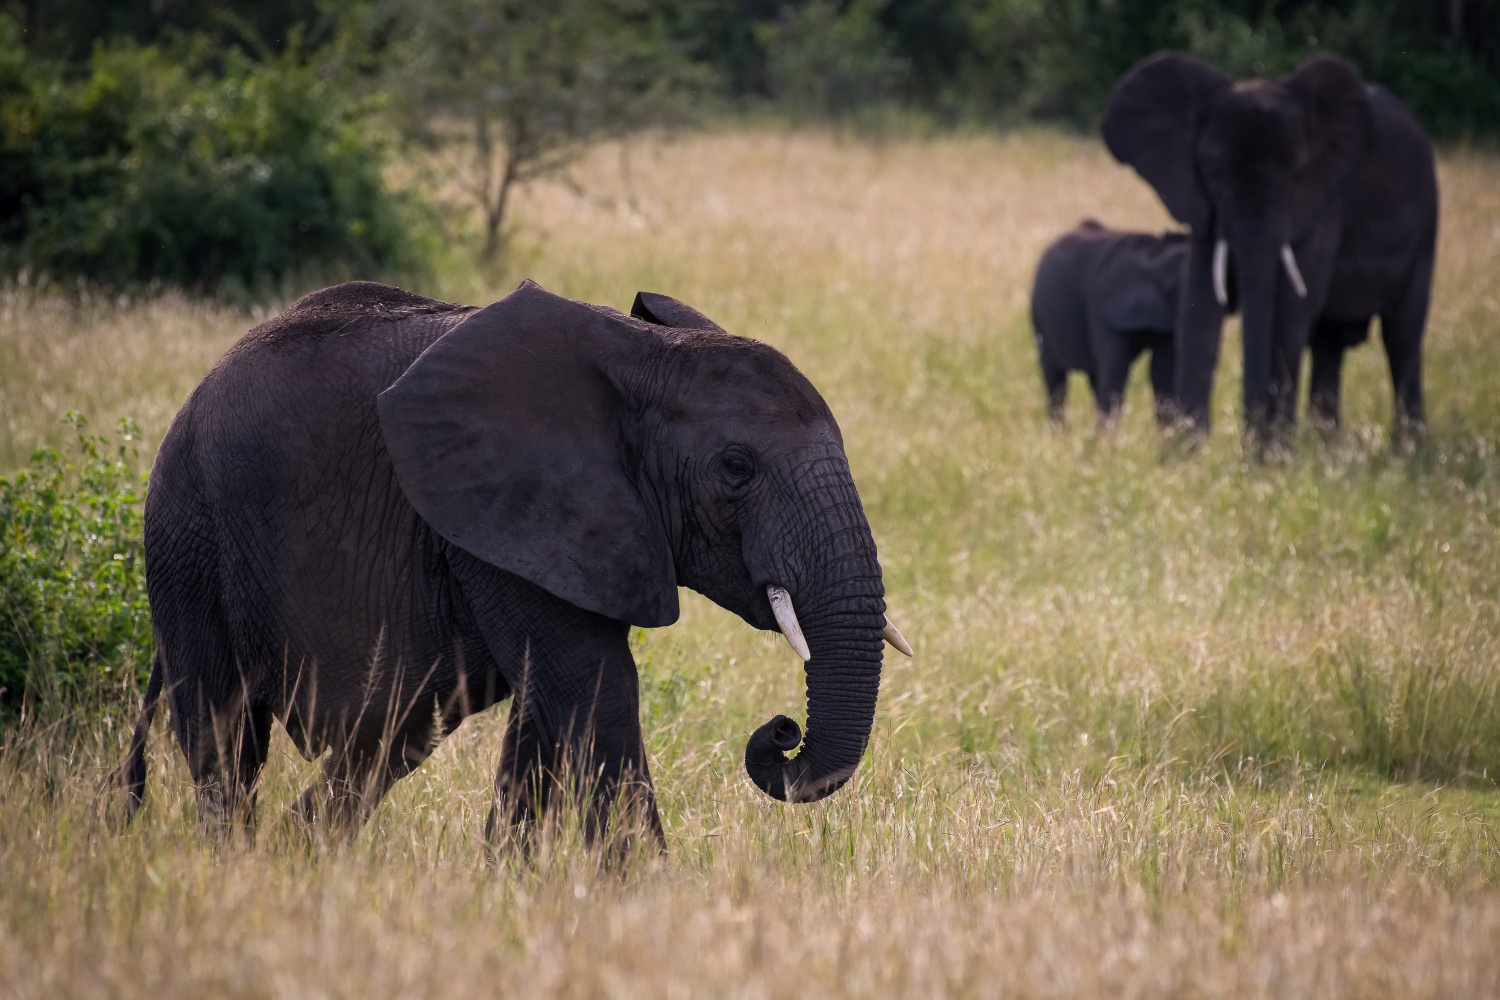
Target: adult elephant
[
  {"x": 1324, "y": 189},
  {"x": 380, "y": 513}
]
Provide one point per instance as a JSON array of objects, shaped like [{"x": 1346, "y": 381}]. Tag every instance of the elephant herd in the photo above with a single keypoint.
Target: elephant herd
[
  {"x": 1311, "y": 205},
  {"x": 381, "y": 513}
]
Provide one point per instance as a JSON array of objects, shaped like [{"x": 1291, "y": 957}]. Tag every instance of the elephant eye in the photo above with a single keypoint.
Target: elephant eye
[{"x": 737, "y": 466}]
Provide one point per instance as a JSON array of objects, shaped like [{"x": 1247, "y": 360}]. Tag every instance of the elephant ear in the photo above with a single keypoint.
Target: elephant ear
[
  {"x": 1151, "y": 121},
  {"x": 1141, "y": 271},
  {"x": 663, "y": 310},
  {"x": 1340, "y": 120},
  {"x": 505, "y": 435}
]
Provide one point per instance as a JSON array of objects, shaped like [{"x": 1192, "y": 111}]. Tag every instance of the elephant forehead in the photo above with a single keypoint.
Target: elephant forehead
[
  {"x": 737, "y": 381},
  {"x": 1256, "y": 112}
]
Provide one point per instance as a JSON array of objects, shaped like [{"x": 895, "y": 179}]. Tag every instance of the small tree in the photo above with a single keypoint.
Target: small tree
[{"x": 523, "y": 86}]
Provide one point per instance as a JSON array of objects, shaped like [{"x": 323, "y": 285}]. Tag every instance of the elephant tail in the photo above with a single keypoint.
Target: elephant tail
[{"x": 132, "y": 773}]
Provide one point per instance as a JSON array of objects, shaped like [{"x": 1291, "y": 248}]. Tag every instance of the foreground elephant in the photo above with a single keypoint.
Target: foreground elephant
[
  {"x": 380, "y": 513},
  {"x": 1324, "y": 189},
  {"x": 1100, "y": 299}
]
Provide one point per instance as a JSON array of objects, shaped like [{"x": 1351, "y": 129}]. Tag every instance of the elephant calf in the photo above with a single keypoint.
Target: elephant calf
[
  {"x": 1101, "y": 298},
  {"x": 379, "y": 513}
]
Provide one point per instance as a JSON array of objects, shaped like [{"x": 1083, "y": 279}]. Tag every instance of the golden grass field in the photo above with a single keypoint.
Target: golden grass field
[{"x": 1178, "y": 725}]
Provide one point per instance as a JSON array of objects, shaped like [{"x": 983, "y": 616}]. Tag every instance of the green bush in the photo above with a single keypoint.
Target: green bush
[
  {"x": 831, "y": 59},
  {"x": 74, "y": 623},
  {"x": 193, "y": 167}
]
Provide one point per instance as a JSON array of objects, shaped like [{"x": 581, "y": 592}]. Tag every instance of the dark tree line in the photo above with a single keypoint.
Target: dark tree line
[{"x": 958, "y": 60}]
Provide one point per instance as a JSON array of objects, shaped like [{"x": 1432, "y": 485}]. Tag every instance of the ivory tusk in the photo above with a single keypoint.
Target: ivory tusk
[
  {"x": 1289, "y": 261},
  {"x": 786, "y": 617},
  {"x": 1221, "y": 272},
  {"x": 895, "y": 638}
]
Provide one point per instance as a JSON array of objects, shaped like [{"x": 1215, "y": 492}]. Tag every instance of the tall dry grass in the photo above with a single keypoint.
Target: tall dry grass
[{"x": 1178, "y": 725}]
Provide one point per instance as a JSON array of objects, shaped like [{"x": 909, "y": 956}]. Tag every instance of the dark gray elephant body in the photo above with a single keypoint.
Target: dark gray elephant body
[
  {"x": 1101, "y": 298},
  {"x": 1324, "y": 189},
  {"x": 380, "y": 513}
]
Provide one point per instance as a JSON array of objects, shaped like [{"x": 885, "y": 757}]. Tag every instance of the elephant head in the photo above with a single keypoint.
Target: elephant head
[
  {"x": 610, "y": 458},
  {"x": 1256, "y": 169}
]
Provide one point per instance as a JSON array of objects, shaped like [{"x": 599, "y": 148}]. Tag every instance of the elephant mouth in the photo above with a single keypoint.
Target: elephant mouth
[{"x": 786, "y": 619}]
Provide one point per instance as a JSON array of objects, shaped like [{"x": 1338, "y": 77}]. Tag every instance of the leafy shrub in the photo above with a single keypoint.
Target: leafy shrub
[
  {"x": 74, "y": 622},
  {"x": 197, "y": 168},
  {"x": 831, "y": 59}
]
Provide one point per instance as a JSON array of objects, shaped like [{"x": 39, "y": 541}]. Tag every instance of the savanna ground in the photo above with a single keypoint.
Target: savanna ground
[{"x": 1178, "y": 725}]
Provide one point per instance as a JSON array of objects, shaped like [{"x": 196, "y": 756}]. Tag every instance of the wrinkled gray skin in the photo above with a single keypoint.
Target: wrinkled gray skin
[
  {"x": 1100, "y": 299},
  {"x": 380, "y": 513},
  {"x": 1319, "y": 161}
]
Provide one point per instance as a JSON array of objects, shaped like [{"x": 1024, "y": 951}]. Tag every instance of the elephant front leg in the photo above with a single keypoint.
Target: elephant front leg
[
  {"x": 1200, "y": 321},
  {"x": 1286, "y": 372},
  {"x": 1401, "y": 328},
  {"x": 574, "y": 735},
  {"x": 1327, "y": 345},
  {"x": 1163, "y": 376},
  {"x": 583, "y": 756}
]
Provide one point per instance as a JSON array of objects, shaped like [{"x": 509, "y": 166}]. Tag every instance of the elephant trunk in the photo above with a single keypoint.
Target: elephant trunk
[
  {"x": 1200, "y": 319},
  {"x": 838, "y": 602},
  {"x": 843, "y": 682},
  {"x": 1257, "y": 273}
]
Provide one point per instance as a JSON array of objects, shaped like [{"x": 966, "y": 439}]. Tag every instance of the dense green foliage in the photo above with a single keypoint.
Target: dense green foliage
[
  {"x": 69, "y": 29},
  {"x": 989, "y": 60},
  {"x": 75, "y": 624},
  {"x": 192, "y": 167},
  {"x": 961, "y": 60}
]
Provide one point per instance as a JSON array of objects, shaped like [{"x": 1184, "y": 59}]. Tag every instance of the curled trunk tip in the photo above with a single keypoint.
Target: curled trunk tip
[{"x": 765, "y": 755}]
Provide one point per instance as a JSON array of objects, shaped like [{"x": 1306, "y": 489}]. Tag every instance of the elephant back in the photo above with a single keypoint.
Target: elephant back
[{"x": 351, "y": 308}]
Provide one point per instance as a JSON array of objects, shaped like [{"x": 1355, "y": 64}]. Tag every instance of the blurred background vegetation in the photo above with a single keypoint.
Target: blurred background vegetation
[{"x": 240, "y": 146}]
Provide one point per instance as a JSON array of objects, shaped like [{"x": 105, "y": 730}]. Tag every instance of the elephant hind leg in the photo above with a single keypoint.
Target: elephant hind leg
[
  {"x": 226, "y": 762},
  {"x": 357, "y": 774},
  {"x": 1056, "y": 379},
  {"x": 221, "y": 720},
  {"x": 223, "y": 730},
  {"x": 1401, "y": 329}
]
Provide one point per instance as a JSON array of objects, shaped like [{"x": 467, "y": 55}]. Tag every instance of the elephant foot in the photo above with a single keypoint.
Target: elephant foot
[
  {"x": 1273, "y": 448},
  {"x": 616, "y": 822},
  {"x": 1183, "y": 437},
  {"x": 1167, "y": 417},
  {"x": 224, "y": 817},
  {"x": 334, "y": 808},
  {"x": 1407, "y": 434},
  {"x": 1325, "y": 423}
]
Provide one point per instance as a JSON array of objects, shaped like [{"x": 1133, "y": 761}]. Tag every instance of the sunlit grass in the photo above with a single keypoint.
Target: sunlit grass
[{"x": 1178, "y": 724}]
